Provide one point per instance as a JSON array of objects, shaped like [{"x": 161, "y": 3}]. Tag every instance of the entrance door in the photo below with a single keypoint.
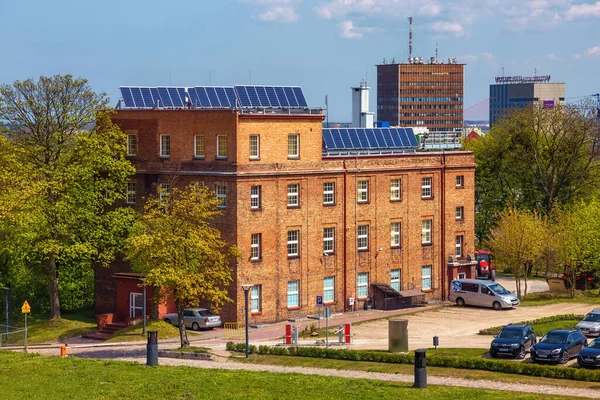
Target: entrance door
[{"x": 136, "y": 305}]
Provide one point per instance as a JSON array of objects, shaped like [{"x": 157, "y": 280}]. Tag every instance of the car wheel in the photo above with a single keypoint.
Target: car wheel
[
  {"x": 195, "y": 326},
  {"x": 522, "y": 353},
  {"x": 167, "y": 320},
  {"x": 497, "y": 305},
  {"x": 460, "y": 302},
  {"x": 493, "y": 354},
  {"x": 564, "y": 358}
]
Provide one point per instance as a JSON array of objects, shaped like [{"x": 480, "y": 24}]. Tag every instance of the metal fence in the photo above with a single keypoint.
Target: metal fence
[
  {"x": 12, "y": 334},
  {"x": 234, "y": 330}
]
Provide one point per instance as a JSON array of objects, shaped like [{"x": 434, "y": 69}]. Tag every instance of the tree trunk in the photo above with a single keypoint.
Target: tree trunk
[
  {"x": 182, "y": 333},
  {"x": 155, "y": 303},
  {"x": 53, "y": 286},
  {"x": 518, "y": 285}
]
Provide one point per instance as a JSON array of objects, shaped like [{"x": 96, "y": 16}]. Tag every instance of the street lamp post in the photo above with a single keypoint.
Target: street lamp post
[
  {"x": 246, "y": 288},
  {"x": 6, "y": 291}
]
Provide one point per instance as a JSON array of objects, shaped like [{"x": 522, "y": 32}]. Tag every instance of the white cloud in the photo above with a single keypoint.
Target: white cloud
[
  {"x": 430, "y": 9},
  {"x": 347, "y": 30},
  {"x": 583, "y": 10},
  {"x": 552, "y": 57},
  {"x": 279, "y": 14},
  {"x": 590, "y": 52},
  {"x": 467, "y": 58},
  {"x": 448, "y": 27}
]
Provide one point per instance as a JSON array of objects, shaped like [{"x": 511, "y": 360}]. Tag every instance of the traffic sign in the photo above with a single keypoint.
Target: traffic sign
[
  {"x": 319, "y": 301},
  {"x": 26, "y": 309}
]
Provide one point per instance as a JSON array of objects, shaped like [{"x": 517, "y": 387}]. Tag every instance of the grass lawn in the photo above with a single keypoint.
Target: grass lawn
[
  {"x": 74, "y": 378},
  {"x": 134, "y": 333},
  {"x": 42, "y": 330},
  {"x": 544, "y": 298},
  {"x": 409, "y": 369},
  {"x": 542, "y": 325},
  {"x": 191, "y": 349}
]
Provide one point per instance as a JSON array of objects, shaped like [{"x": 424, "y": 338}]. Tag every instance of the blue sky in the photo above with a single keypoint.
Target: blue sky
[{"x": 324, "y": 46}]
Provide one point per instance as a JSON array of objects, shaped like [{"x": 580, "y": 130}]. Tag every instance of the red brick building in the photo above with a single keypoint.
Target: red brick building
[{"x": 307, "y": 221}]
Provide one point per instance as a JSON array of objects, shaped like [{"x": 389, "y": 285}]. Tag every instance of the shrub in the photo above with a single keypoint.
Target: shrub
[{"x": 562, "y": 317}]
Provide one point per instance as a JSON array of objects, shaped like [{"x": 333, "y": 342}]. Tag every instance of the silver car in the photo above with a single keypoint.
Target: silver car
[
  {"x": 590, "y": 324},
  {"x": 475, "y": 292},
  {"x": 195, "y": 318}
]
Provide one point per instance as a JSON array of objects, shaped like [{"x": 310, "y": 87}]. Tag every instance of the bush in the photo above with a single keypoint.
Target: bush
[{"x": 509, "y": 367}]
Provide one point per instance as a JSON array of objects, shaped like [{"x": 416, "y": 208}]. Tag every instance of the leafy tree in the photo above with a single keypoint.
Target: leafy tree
[
  {"x": 79, "y": 169},
  {"x": 174, "y": 245}
]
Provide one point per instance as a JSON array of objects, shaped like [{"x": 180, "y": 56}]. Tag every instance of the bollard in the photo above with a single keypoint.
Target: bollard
[
  {"x": 420, "y": 369},
  {"x": 63, "y": 350},
  {"x": 288, "y": 334},
  {"x": 436, "y": 342},
  {"x": 152, "y": 349}
]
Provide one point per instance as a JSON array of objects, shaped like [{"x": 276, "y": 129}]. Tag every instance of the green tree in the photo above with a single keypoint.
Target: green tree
[
  {"x": 174, "y": 245},
  {"x": 77, "y": 159}
]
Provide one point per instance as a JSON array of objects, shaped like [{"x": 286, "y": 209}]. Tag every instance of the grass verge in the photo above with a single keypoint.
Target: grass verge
[
  {"x": 134, "y": 333},
  {"x": 542, "y": 325},
  {"x": 74, "y": 378},
  {"x": 42, "y": 330},
  {"x": 545, "y": 298}
]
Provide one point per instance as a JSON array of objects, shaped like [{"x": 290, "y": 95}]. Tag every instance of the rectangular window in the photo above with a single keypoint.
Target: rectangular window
[
  {"x": 221, "y": 192},
  {"x": 363, "y": 237},
  {"x": 293, "y": 145},
  {"x": 426, "y": 231},
  {"x": 222, "y": 146},
  {"x": 363, "y": 285},
  {"x": 293, "y": 195},
  {"x": 164, "y": 192},
  {"x": 132, "y": 144},
  {"x": 395, "y": 234},
  {"x": 395, "y": 189},
  {"x": 458, "y": 246},
  {"x": 460, "y": 212},
  {"x": 165, "y": 145},
  {"x": 328, "y": 240},
  {"x": 255, "y": 297},
  {"x": 328, "y": 192},
  {"x": 395, "y": 279},
  {"x": 363, "y": 191},
  {"x": 426, "y": 188},
  {"x": 255, "y": 197},
  {"x": 130, "y": 193},
  {"x": 292, "y": 243},
  {"x": 426, "y": 278},
  {"x": 199, "y": 146},
  {"x": 460, "y": 181},
  {"x": 255, "y": 246},
  {"x": 293, "y": 293},
  {"x": 254, "y": 147},
  {"x": 328, "y": 289}
]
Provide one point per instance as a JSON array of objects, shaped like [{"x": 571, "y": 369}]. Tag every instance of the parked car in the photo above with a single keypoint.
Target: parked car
[
  {"x": 590, "y": 356},
  {"x": 513, "y": 341},
  {"x": 195, "y": 318},
  {"x": 559, "y": 345},
  {"x": 590, "y": 324},
  {"x": 476, "y": 292}
]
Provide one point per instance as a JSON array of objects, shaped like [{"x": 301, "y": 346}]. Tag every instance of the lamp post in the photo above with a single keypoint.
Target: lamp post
[
  {"x": 246, "y": 288},
  {"x": 6, "y": 291}
]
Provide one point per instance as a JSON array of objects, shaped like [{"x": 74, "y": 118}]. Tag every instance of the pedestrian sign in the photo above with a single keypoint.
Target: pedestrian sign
[
  {"x": 26, "y": 309},
  {"x": 319, "y": 301}
]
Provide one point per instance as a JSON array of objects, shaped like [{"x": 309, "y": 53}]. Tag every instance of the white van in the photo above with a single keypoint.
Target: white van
[{"x": 475, "y": 292}]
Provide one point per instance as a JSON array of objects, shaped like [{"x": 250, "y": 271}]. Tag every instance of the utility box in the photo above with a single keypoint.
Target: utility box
[{"x": 398, "y": 336}]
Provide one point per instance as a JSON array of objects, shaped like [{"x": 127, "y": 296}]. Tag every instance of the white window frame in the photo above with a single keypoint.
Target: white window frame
[
  {"x": 426, "y": 231},
  {"x": 329, "y": 240},
  {"x": 255, "y": 197},
  {"x": 362, "y": 290},
  {"x": 395, "y": 189},
  {"x": 254, "y": 148},
  {"x": 395, "y": 279},
  {"x": 222, "y": 142},
  {"x": 426, "y": 187},
  {"x": 199, "y": 142},
  {"x": 293, "y": 294},
  {"x": 362, "y": 237},
  {"x": 362, "y": 191},
  {"x": 293, "y": 243},
  {"x": 458, "y": 245},
  {"x": 293, "y": 195},
  {"x": 329, "y": 289},
  {"x": 460, "y": 181},
  {"x": 328, "y": 193},
  {"x": 426, "y": 277},
  {"x": 131, "y": 191},
  {"x": 165, "y": 145},
  {"x": 255, "y": 244},
  {"x": 255, "y": 298},
  {"x": 293, "y": 145},
  {"x": 132, "y": 144},
  {"x": 221, "y": 194},
  {"x": 395, "y": 237},
  {"x": 460, "y": 211},
  {"x": 164, "y": 193}
]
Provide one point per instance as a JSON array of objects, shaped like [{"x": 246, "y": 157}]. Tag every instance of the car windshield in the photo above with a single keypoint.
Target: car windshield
[
  {"x": 484, "y": 257},
  {"x": 554, "y": 338},
  {"x": 205, "y": 313},
  {"x": 592, "y": 317},
  {"x": 498, "y": 289},
  {"x": 510, "y": 334},
  {"x": 595, "y": 344}
]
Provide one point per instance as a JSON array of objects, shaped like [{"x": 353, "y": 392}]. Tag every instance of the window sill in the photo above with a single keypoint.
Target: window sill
[
  {"x": 164, "y": 157},
  {"x": 395, "y": 200},
  {"x": 198, "y": 158},
  {"x": 363, "y": 298},
  {"x": 363, "y": 202},
  {"x": 293, "y": 257},
  {"x": 395, "y": 247},
  {"x": 222, "y": 207},
  {"x": 459, "y": 220},
  {"x": 328, "y": 204},
  {"x": 256, "y": 313},
  {"x": 460, "y": 187},
  {"x": 329, "y": 303},
  {"x": 292, "y": 207},
  {"x": 254, "y": 158},
  {"x": 426, "y": 244},
  {"x": 131, "y": 155},
  {"x": 294, "y": 308},
  {"x": 328, "y": 253},
  {"x": 293, "y": 157},
  {"x": 427, "y": 290},
  {"x": 363, "y": 250},
  {"x": 256, "y": 209},
  {"x": 220, "y": 158},
  {"x": 256, "y": 260},
  {"x": 427, "y": 198}
]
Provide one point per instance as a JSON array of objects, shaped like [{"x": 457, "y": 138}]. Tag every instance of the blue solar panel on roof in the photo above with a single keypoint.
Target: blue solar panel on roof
[
  {"x": 165, "y": 99},
  {"x": 283, "y": 101},
  {"x": 147, "y": 96},
  {"x": 212, "y": 97},
  {"x": 175, "y": 98},
  {"x": 127, "y": 98},
  {"x": 155, "y": 96},
  {"x": 291, "y": 97},
  {"x": 300, "y": 97},
  {"x": 368, "y": 141},
  {"x": 137, "y": 97},
  {"x": 222, "y": 96}
]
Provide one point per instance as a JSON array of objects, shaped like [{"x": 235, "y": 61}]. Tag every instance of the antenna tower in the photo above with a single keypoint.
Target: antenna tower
[{"x": 410, "y": 40}]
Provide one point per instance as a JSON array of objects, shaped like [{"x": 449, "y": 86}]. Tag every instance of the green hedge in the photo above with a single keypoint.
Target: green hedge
[
  {"x": 510, "y": 367},
  {"x": 562, "y": 317}
]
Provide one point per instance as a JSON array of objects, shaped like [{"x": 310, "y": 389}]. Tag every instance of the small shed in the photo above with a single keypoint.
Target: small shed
[{"x": 387, "y": 298}]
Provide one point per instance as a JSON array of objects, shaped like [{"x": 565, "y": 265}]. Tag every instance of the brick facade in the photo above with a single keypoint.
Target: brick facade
[{"x": 273, "y": 171}]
